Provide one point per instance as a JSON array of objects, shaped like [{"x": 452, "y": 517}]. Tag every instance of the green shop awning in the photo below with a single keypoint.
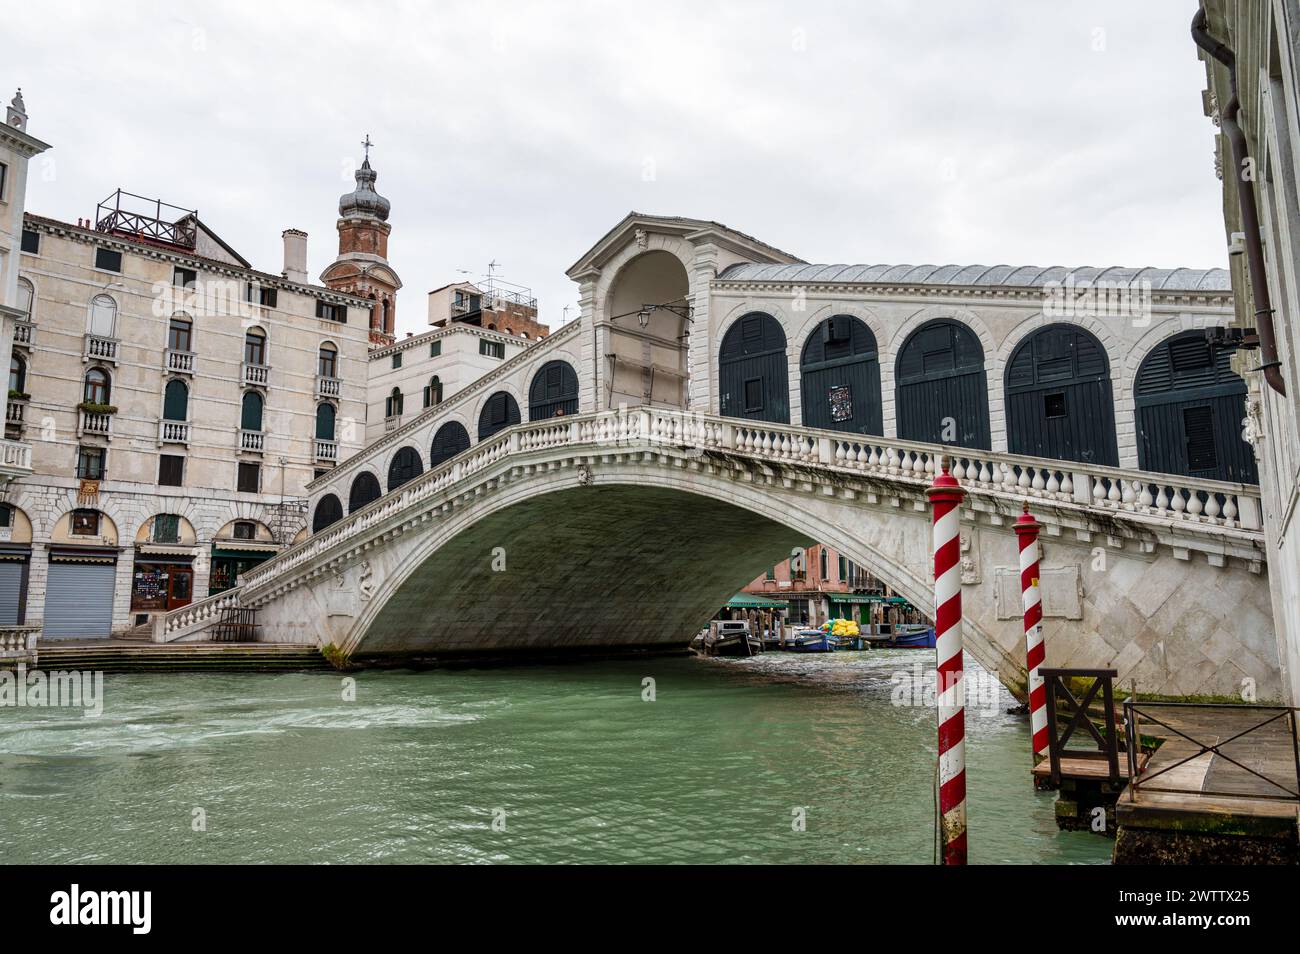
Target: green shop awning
[
  {"x": 748, "y": 601},
  {"x": 231, "y": 553}
]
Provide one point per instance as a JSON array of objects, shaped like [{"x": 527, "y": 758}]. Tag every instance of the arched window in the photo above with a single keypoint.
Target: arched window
[
  {"x": 176, "y": 401},
  {"x": 98, "y": 387},
  {"x": 1059, "y": 401},
  {"x": 328, "y": 362},
  {"x": 941, "y": 389},
  {"x": 328, "y": 511},
  {"x": 17, "y": 375},
  {"x": 250, "y": 417},
  {"x": 553, "y": 391},
  {"x": 103, "y": 316},
  {"x": 325, "y": 421},
  {"x": 365, "y": 488},
  {"x": 499, "y": 412},
  {"x": 405, "y": 466},
  {"x": 393, "y": 403},
  {"x": 26, "y": 297},
  {"x": 255, "y": 346},
  {"x": 839, "y": 377},
  {"x": 451, "y": 439},
  {"x": 433, "y": 391},
  {"x": 752, "y": 376}
]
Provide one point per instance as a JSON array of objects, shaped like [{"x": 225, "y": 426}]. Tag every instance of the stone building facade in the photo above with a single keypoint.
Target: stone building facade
[
  {"x": 1251, "y": 51},
  {"x": 420, "y": 371},
  {"x": 178, "y": 401}
]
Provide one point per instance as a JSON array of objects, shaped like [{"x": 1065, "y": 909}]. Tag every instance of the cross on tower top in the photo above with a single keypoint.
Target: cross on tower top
[{"x": 367, "y": 144}]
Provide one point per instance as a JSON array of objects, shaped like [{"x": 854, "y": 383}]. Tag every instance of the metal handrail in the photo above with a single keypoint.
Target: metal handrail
[{"x": 1134, "y": 709}]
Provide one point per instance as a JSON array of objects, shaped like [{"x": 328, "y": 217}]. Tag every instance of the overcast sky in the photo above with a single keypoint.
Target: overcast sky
[{"x": 924, "y": 132}]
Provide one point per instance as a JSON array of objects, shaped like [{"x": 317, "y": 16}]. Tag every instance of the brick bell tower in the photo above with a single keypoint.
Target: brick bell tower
[{"x": 362, "y": 265}]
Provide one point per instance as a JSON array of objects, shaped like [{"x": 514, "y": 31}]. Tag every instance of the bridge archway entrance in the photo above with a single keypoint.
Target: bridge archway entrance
[
  {"x": 649, "y": 310},
  {"x": 448, "y": 441},
  {"x": 753, "y": 381},
  {"x": 1059, "y": 398},
  {"x": 839, "y": 377},
  {"x": 1189, "y": 406},
  {"x": 942, "y": 396}
]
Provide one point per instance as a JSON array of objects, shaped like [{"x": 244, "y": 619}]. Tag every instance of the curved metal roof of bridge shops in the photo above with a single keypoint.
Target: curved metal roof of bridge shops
[{"x": 1025, "y": 276}]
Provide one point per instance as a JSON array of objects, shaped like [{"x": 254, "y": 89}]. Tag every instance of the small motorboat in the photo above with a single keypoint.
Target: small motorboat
[
  {"x": 810, "y": 641},
  {"x": 912, "y": 636},
  {"x": 730, "y": 637}
]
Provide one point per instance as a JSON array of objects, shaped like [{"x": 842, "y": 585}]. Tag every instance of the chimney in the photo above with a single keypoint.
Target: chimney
[{"x": 295, "y": 255}]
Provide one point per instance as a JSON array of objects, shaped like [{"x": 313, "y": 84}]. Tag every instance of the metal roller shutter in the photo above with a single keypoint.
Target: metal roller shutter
[
  {"x": 11, "y": 589},
  {"x": 79, "y": 600}
]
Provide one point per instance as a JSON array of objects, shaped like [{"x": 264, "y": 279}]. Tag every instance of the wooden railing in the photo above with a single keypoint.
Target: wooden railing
[{"x": 1062, "y": 704}]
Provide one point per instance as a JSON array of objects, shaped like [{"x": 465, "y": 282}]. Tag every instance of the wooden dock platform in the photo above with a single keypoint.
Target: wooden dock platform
[{"x": 1222, "y": 786}]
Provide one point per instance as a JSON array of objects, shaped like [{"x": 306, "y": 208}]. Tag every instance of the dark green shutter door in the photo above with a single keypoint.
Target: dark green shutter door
[{"x": 11, "y": 590}]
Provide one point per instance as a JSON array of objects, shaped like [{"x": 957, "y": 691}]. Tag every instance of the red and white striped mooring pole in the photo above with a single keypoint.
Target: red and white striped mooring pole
[
  {"x": 1027, "y": 528},
  {"x": 945, "y": 497}
]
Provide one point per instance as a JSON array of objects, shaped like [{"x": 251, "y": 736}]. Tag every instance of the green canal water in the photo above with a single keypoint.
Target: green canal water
[{"x": 570, "y": 760}]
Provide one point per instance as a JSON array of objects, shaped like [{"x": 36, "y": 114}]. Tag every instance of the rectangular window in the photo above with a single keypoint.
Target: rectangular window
[
  {"x": 249, "y": 478},
  {"x": 167, "y": 528},
  {"x": 330, "y": 312},
  {"x": 85, "y": 523},
  {"x": 328, "y": 363},
  {"x": 178, "y": 335},
  {"x": 1054, "y": 404},
  {"x": 171, "y": 470},
  {"x": 260, "y": 295},
  {"x": 397, "y": 359},
  {"x": 31, "y": 242},
  {"x": 844, "y": 568},
  {"x": 754, "y": 395},
  {"x": 435, "y": 348},
  {"x": 4, "y": 178},
  {"x": 184, "y": 277},
  {"x": 90, "y": 463},
  {"x": 493, "y": 349},
  {"x": 245, "y": 530},
  {"x": 771, "y": 573},
  {"x": 108, "y": 260}
]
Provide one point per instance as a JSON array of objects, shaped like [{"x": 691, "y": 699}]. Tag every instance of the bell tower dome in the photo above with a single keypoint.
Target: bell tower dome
[{"x": 361, "y": 267}]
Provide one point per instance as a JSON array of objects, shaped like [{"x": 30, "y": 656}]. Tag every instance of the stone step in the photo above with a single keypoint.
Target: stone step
[{"x": 184, "y": 657}]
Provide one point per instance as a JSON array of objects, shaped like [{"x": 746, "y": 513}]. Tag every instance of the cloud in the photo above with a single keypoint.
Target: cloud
[{"x": 1015, "y": 132}]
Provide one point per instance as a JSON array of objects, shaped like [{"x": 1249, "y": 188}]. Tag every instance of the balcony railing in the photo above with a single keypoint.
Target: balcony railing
[
  {"x": 173, "y": 432},
  {"x": 24, "y": 330},
  {"x": 327, "y": 450},
  {"x": 15, "y": 455},
  {"x": 16, "y": 412},
  {"x": 392, "y": 423},
  {"x": 90, "y": 422},
  {"x": 256, "y": 374},
  {"x": 328, "y": 387},
  {"x": 180, "y": 362},
  {"x": 252, "y": 441},
  {"x": 99, "y": 348}
]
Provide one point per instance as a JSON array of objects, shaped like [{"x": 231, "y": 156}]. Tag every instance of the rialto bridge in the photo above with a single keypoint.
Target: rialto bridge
[{"x": 719, "y": 402}]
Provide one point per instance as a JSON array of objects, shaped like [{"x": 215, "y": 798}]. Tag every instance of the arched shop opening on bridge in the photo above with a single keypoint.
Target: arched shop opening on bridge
[
  {"x": 1190, "y": 405},
  {"x": 1058, "y": 398},
  {"x": 448, "y": 441},
  {"x": 554, "y": 391},
  {"x": 839, "y": 377},
  {"x": 500, "y": 411},
  {"x": 239, "y": 546},
  {"x": 753, "y": 382},
  {"x": 649, "y": 312},
  {"x": 365, "y": 488},
  {"x": 942, "y": 390}
]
